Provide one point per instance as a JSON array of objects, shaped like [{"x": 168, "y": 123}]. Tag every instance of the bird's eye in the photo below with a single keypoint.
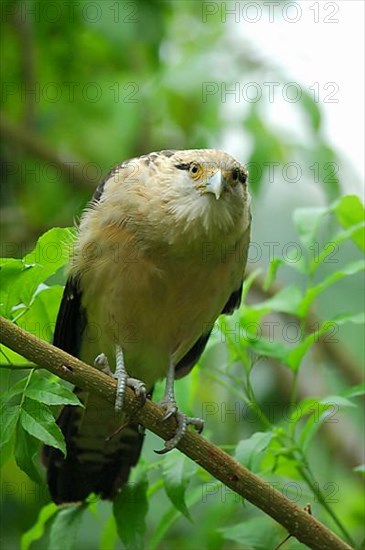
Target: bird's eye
[
  {"x": 243, "y": 177},
  {"x": 195, "y": 170},
  {"x": 239, "y": 175},
  {"x": 235, "y": 174}
]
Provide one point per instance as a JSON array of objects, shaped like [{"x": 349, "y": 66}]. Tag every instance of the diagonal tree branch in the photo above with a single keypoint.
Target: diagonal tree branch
[{"x": 297, "y": 521}]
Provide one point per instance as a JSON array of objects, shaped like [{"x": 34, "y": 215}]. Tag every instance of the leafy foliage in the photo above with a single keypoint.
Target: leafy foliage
[
  {"x": 277, "y": 385},
  {"x": 281, "y": 449},
  {"x": 130, "y": 508}
]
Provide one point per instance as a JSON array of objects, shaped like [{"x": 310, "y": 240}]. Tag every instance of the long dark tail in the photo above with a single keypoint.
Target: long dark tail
[{"x": 100, "y": 453}]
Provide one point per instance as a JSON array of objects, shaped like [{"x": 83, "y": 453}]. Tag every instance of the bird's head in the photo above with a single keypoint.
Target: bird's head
[
  {"x": 189, "y": 194},
  {"x": 205, "y": 190},
  {"x": 211, "y": 172}
]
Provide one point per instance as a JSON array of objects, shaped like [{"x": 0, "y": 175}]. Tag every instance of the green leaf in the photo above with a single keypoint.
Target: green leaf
[
  {"x": 130, "y": 509},
  {"x": 355, "y": 318},
  {"x": 249, "y": 452},
  {"x": 338, "y": 400},
  {"x": 247, "y": 283},
  {"x": 350, "y": 211},
  {"x": 109, "y": 535},
  {"x": 49, "y": 255},
  {"x": 304, "y": 408},
  {"x": 312, "y": 293},
  {"x": 39, "y": 317},
  {"x": 295, "y": 356},
  {"x": 275, "y": 263},
  {"x": 355, "y": 391},
  {"x": 9, "y": 271},
  {"x": 332, "y": 246},
  {"x": 7, "y": 451},
  {"x": 9, "y": 416},
  {"x": 51, "y": 393},
  {"x": 15, "y": 389},
  {"x": 176, "y": 481},
  {"x": 307, "y": 221},
  {"x": 286, "y": 300},
  {"x": 37, "y": 530},
  {"x": 266, "y": 348},
  {"x": 37, "y": 419},
  {"x": 254, "y": 533},
  {"x": 27, "y": 454},
  {"x": 52, "y": 250},
  {"x": 323, "y": 411},
  {"x": 9, "y": 357},
  {"x": 65, "y": 526}
]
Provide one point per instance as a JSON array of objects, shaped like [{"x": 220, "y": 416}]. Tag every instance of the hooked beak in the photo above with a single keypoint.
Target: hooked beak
[{"x": 216, "y": 184}]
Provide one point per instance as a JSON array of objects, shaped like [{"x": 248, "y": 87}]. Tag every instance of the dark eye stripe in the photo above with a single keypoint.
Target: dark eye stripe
[{"x": 183, "y": 166}]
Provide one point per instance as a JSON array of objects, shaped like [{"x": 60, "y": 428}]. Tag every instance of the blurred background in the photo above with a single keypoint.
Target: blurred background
[{"x": 86, "y": 85}]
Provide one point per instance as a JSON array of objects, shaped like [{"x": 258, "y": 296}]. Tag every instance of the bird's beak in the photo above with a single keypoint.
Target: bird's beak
[{"x": 215, "y": 184}]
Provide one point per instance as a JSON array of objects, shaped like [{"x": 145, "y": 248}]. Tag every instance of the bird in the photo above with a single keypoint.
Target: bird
[{"x": 160, "y": 253}]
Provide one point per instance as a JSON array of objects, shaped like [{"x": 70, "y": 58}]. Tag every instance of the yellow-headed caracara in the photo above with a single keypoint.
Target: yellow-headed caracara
[{"x": 160, "y": 254}]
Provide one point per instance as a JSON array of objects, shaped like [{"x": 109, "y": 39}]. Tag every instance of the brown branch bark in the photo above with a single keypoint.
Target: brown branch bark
[{"x": 298, "y": 522}]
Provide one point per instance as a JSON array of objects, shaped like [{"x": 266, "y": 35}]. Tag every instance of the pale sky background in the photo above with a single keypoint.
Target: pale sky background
[
  {"x": 325, "y": 52},
  {"x": 310, "y": 52}
]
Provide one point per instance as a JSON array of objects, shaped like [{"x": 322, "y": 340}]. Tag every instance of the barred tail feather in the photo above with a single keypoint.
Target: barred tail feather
[{"x": 100, "y": 454}]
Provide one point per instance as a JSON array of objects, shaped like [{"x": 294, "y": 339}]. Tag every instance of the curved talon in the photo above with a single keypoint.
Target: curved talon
[
  {"x": 197, "y": 422},
  {"x": 171, "y": 410},
  {"x": 123, "y": 380},
  {"x": 182, "y": 422},
  {"x": 137, "y": 385},
  {"x": 139, "y": 388},
  {"x": 101, "y": 362}
]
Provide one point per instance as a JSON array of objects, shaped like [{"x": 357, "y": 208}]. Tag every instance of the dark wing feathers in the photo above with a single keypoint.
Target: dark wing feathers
[
  {"x": 234, "y": 301},
  {"x": 103, "y": 466},
  {"x": 185, "y": 364},
  {"x": 71, "y": 319}
]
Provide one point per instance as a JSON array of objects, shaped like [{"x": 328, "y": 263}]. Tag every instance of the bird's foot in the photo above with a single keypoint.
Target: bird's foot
[
  {"x": 101, "y": 362},
  {"x": 123, "y": 380},
  {"x": 182, "y": 422}
]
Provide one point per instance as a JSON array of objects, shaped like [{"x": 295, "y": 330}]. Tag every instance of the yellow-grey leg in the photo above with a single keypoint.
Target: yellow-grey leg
[
  {"x": 169, "y": 404},
  {"x": 122, "y": 378}
]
